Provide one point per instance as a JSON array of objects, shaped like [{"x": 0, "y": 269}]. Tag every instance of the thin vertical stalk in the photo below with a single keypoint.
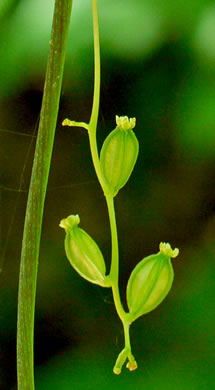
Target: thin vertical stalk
[
  {"x": 114, "y": 271},
  {"x": 37, "y": 192},
  {"x": 97, "y": 69},
  {"x": 91, "y": 127}
]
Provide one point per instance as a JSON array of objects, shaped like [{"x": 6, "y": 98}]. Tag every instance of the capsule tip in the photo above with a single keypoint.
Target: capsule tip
[
  {"x": 132, "y": 366},
  {"x": 125, "y": 123},
  {"x": 69, "y": 222},
  {"x": 117, "y": 370},
  {"x": 166, "y": 249}
]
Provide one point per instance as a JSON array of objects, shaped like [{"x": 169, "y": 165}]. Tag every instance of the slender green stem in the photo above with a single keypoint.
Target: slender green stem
[
  {"x": 96, "y": 100},
  {"x": 114, "y": 271},
  {"x": 96, "y": 162},
  {"x": 91, "y": 128},
  {"x": 114, "y": 277},
  {"x": 97, "y": 70},
  {"x": 36, "y": 197},
  {"x": 127, "y": 336},
  {"x": 125, "y": 353}
]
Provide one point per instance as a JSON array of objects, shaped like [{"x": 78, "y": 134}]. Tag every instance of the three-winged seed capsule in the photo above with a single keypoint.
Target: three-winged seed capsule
[
  {"x": 150, "y": 281},
  {"x": 83, "y": 253},
  {"x": 119, "y": 154}
]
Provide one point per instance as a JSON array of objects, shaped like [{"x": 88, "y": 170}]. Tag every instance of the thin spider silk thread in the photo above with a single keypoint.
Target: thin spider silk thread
[{"x": 22, "y": 190}]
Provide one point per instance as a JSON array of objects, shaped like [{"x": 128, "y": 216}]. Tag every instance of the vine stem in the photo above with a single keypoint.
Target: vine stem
[
  {"x": 114, "y": 271},
  {"x": 36, "y": 197},
  {"x": 97, "y": 70},
  {"x": 91, "y": 127},
  {"x": 95, "y": 157}
]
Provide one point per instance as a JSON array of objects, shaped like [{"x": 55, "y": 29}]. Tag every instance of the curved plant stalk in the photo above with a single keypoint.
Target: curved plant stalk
[
  {"x": 114, "y": 278},
  {"x": 37, "y": 191},
  {"x": 152, "y": 278},
  {"x": 91, "y": 127}
]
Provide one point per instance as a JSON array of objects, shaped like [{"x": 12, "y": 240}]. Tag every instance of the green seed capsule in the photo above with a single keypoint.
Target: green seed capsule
[
  {"x": 83, "y": 253},
  {"x": 119, "y": 154},
  {"x": 150, "y": 281}
]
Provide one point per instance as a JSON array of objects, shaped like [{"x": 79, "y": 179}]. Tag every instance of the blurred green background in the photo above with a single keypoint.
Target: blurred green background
[{"x": 158, "y": 64}]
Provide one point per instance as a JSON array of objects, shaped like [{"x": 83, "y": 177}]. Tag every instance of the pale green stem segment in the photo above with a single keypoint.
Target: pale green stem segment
[
  {"x": 97, "y": 70},
  {"x": 125, "y": 354},
  {"x": 94, "y": 151},
  {"x": 114, "y": 272},
  {"x": 114, "y": 278},
  {"x": 36, "y": 197},
  {"x": 91, "y": 128}
]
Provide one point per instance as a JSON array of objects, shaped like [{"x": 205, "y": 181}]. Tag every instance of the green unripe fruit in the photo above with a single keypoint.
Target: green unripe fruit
[
  {"x": 119, "y": 154},
  {"x": 83, "y": 253},
  {"x": 150, "y": 281}
]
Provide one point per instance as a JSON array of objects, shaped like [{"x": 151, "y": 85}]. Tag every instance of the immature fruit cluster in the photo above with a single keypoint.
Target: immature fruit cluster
[
  {"x": 152, "y": 278},
  {"x": 149, "y": 283},
  {"x": 119, "y": 154}
]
